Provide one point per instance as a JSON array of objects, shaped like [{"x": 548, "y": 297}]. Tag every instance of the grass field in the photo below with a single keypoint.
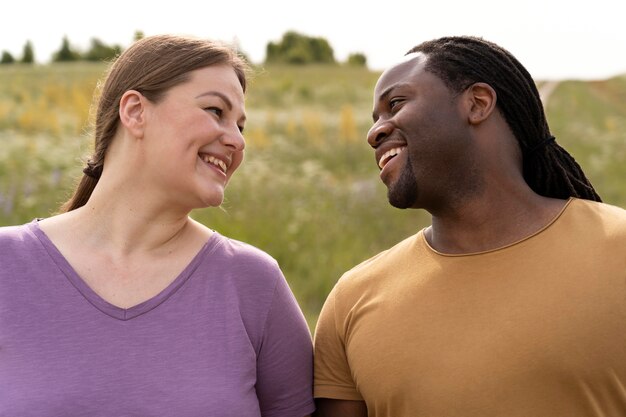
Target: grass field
[{"x": 308, "y": 192}]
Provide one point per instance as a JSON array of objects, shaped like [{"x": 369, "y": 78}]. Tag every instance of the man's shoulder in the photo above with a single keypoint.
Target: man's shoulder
[
  {"x": 593, "y": 223},
  {"x": 382, "y": 263},
  {"x": 601, "y": 207},
  {"x": 600, "y": 213}
]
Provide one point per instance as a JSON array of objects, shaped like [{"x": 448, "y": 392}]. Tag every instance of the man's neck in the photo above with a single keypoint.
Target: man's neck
[{"x": 490, "y": 223}]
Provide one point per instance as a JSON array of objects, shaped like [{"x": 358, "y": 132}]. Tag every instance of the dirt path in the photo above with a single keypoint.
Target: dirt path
[{"x": 546, "y": 90}]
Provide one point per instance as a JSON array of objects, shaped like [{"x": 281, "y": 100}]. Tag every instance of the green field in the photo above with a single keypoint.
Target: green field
[{"x": 308, "y": 192}]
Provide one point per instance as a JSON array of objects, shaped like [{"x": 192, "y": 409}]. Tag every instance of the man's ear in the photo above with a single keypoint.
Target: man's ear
[
  {"x": 132, "y": 112},
  {"x": 481, "y": 99}
]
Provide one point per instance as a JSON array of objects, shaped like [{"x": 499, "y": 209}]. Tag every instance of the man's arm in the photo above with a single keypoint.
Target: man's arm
[{"x": 327, "y": 407}]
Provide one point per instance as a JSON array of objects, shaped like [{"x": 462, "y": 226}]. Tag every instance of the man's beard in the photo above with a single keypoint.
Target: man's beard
[{"x": 403, "y": 193}]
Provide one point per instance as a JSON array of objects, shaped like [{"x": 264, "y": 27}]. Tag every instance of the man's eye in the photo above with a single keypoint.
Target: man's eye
[
  {"x": 218, "y": 112},
  {"x": 393, "y": 102}
]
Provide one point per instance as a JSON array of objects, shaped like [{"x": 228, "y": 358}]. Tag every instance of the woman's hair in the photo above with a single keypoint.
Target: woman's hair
[
  {"x": 461, "y": 61},
  {"x": 151, "y": 66}
]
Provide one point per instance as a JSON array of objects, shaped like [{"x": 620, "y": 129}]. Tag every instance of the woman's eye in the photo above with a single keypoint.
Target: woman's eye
[
  {"x": 218, "y": 112},
  {"x": 393, "y": 102}
]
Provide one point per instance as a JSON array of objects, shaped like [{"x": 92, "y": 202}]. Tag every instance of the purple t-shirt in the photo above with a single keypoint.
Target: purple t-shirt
[{"x": 226, "y": 338}]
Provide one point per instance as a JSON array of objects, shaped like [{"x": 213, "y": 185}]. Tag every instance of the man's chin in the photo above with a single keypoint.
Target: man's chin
[
  {"x": 402, "y": 193},
  {"x": 401, "y": 199}
]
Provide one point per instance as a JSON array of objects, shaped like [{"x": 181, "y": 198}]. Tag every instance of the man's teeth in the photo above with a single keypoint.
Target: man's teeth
[
  {"x": 213, "y": 160},
  {"x": 388, "y": 155}
]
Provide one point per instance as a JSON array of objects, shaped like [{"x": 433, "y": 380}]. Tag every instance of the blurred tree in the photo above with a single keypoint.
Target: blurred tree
[
  {"x": 28, "y": 54},
  {"x": 138, "y": 35},
  {"x": 66, "y": 53},
  {"x": 7, "y": 58},
  {"x": 321, "y": 50},
  {"x": 295, "y": 48},
  {"x": 357, "y": 59},
  {"x": 99, "y": 51}
]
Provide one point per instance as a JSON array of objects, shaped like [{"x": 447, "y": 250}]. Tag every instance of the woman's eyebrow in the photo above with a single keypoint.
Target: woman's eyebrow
[{"x": 220, "y": 95}]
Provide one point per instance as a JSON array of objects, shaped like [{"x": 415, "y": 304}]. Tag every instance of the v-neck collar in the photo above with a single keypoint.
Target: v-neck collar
[{"x": 104, "y": 306}]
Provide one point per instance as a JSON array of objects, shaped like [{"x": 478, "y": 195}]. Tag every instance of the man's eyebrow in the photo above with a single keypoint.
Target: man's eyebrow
[
  {"x": 386, "y": 93},
  {"x": 382, "y": 97},
  {"x": 220, "y": 95}
]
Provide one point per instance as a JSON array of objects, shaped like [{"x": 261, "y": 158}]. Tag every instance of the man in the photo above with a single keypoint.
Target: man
[{"x": 513, "y": 301}]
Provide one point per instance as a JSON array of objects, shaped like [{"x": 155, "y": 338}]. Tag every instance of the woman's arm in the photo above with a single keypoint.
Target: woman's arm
[
  {"x": 285, "y": 359},
  {"x": 327, "y": 407}
]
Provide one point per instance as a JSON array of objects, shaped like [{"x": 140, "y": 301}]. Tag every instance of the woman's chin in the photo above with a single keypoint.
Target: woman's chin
[{"x": 213, "y": 200}]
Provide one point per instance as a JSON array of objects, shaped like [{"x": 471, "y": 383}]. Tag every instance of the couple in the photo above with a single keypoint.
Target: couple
[{"x": 512, "y": 303}]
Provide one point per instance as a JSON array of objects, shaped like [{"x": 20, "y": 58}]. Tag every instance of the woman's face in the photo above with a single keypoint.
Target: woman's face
[{"x": 194, "y": 140}]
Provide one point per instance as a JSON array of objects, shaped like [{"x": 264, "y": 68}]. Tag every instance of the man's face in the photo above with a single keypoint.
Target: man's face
[{"x": 421, "y": 139}]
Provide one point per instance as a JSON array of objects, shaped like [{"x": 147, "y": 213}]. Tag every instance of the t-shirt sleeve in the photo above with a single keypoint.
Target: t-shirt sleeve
[
  {"x": 285, "y": 359},
  {"x": 333, "y": 378}
]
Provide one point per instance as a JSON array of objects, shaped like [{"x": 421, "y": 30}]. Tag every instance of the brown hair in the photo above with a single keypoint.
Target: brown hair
[{"x": 151, "y": 66}]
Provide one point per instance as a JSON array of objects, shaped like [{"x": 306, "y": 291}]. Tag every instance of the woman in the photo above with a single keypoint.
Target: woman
[{"x": 123, "y": 305}]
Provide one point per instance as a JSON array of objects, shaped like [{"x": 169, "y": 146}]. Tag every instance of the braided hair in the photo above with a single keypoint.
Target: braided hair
[{"x": 460, "y": 61}]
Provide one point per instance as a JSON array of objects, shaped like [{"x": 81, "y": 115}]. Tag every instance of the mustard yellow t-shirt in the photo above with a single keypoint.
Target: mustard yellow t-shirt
[{"x": 533, "y": 329}]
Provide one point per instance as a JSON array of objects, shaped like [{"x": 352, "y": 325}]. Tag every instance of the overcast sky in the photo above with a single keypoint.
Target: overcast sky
[{"x": 553, "y": 39}]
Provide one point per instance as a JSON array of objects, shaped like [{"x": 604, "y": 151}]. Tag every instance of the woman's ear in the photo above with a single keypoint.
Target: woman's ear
[
  {"x": 482, "y": 100},
  {"x": 132, "y": 112}
]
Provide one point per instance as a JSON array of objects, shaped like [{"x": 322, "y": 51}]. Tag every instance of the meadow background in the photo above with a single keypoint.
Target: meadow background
[{"x": 308, "y": 192}]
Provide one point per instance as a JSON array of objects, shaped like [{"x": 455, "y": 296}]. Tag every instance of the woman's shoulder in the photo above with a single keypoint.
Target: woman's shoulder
[
  {"x": 243, "y": 254},
  {"x": 19, "y": 243},
  {"x": 239, "y": 266},
  {"x": 16, "y": 234},
  {"x": 232, "y": 251}
]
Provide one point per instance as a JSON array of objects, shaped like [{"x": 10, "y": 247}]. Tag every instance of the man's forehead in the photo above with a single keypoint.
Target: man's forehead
[
  {"x": 401, "y": 70},
  {"x": 411, "y": 57}
]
